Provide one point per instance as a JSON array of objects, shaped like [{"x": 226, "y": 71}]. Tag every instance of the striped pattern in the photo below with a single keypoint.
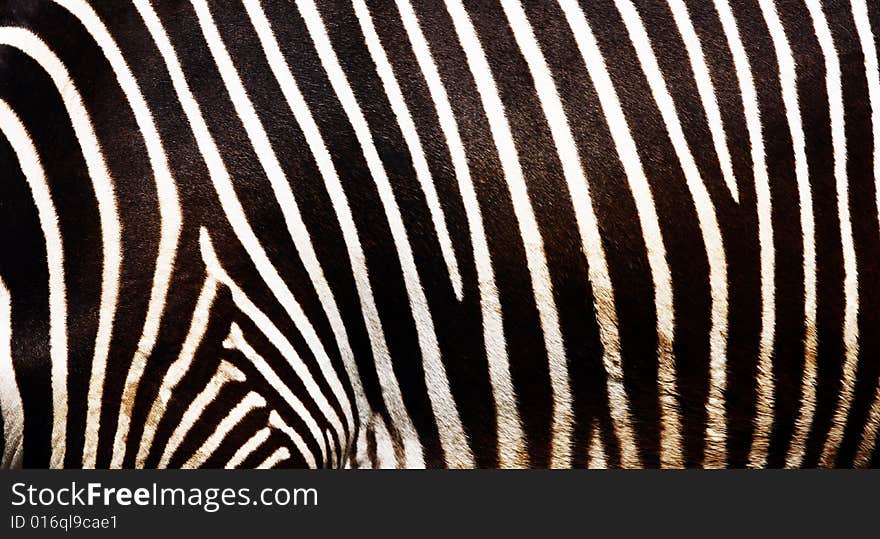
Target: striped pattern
[{"x": 583, "y": 233}]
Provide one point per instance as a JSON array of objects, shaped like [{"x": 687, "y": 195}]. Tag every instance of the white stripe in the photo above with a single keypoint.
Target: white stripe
[
  {"x": 850, "y": 271},
  {"x": 236, "y": 341},
  {"x": 169, "y": 217},
  {"x": 533, "y": 244},
  {"x": 276, "y": 422},
  {"x": 596, "y": 450},
  {"x": 591, "y": 243},
  {"x": 670, "y": 434},
  {"x": 869, "y": 434},
  {"x": 788, "y": 82},
  {"x": 453, "y": 439},
  {"x": 411, "y": 138},
  {"x": 175, "y": 373},
  {"x": 226, "y": 372},
  {"x": 716, "y": 428},
  {"x": 111, "y": 232},
  {"x": 250, "y": 402},
  {"x": 10, "y": 397},
  {"x": 752, "y": 113},
  {"x": 511, "y": 440},
  {"x": 248, "y": 448},
  {"x": 390, "y": 388},
  {"x": 280, "y": 455},
  {"x": 384, "y": 455},
  {"x": 872, "y": 72},
  {"x": 706, "y": 90},
  {"x": 283, "y": 194},
  {"x": 361, "y": 458}
]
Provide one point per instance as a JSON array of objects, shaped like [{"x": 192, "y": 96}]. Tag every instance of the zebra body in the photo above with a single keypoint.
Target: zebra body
[{"x": 620, "y": 233}]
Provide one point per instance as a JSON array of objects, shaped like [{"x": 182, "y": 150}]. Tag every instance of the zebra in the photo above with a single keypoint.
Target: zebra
[{"x": 471, "y": 233}]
